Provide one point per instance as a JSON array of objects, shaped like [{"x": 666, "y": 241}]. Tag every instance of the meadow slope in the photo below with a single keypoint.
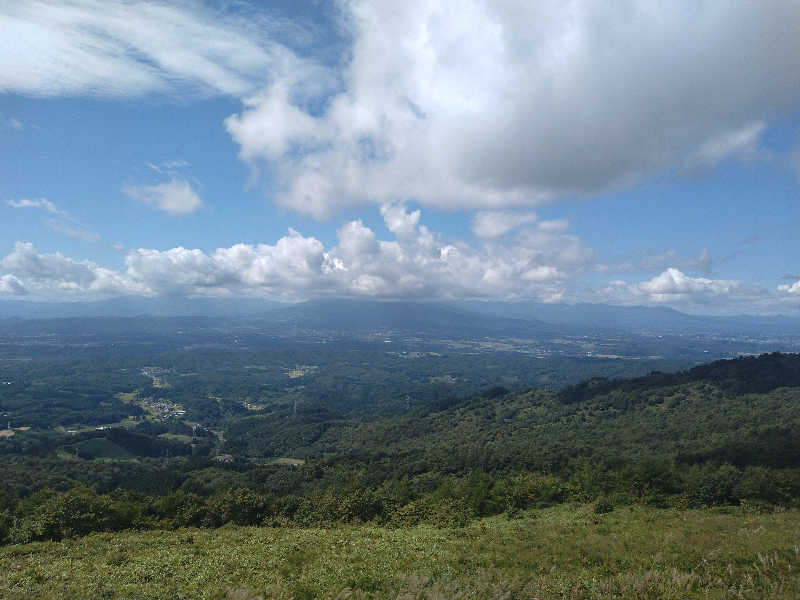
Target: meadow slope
[{"x": 568, "y": 551}]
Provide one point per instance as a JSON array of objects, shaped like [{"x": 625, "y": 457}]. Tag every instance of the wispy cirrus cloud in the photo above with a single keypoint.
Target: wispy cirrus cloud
[
  {"x": 168, "y": 166},
  {"x": 653, "y": 261},
  {"x": 62, "y": 223},
  {"x": 40, "y": 203},
  {"x": 76, "y": 232},
  {"x": 115, "y": 48}
]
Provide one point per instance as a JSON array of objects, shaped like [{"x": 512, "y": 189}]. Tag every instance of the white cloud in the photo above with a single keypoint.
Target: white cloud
[
  {"x": 64, "y": 223},
  {"x": 398, "y": 220},
  {"x": 11, "y": 286},
  {"x": 494, "y": 105},
  {"x": 742, "y": 142},
  {"x": 495, "y": 224},
  {"x": 477, "y": 105},
  {"x": 535, "y": 263},
  {"x": 674, "y": 283},
  {"x": 15, "y": 123},
  {"x": 52, "y": 276},
  {"x": 417, "y": 264},
  {"x": 698, "y": 295},
  {"x": 40, "y": 203},
  {"x": 271, "y": 126},
  {"x": 174, "y": 164},
  {"x": 175, "y": 197},
  {"x": 132, "y": 48},
  {"x": 168, "y": 166},
  {"x": 78, "y": 233}
]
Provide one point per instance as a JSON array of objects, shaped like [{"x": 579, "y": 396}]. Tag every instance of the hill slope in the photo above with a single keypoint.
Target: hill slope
[{"x": 746, "y": 412}]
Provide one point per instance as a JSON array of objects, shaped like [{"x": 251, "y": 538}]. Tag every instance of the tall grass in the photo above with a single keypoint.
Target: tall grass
[{"x": 561, "y": 552}]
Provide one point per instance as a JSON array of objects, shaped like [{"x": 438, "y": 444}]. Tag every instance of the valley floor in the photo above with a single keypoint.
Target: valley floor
[{"x": 566, "y": 551}]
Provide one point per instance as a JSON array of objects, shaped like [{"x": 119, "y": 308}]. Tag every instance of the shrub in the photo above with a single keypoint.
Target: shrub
[
  {"x": 603, "y": 506},
  {"x": 180, "y": 509},
  {"x": 443, "y": 513},
  {"x": 532, "y": 490},
  {"x": 712, "y": 486},
  {"x": 240, "y": 506},
  {"x": 74, "y": 513}
]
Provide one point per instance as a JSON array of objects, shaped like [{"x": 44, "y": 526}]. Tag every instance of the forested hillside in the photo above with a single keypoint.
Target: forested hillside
[{"x": 723, "y": 433}]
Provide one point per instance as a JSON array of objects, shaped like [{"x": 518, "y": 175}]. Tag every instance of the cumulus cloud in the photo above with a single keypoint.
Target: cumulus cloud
[
  {"x": 11, "y": 286},
  {"x": 56, "y": 276},
  {"x": 535, "y": 263},
  {"x": 398, "y": 220},
  {"x": 175, "y": 197},
  {"x": 699, "y": 295},
  {"x": 492, "y": 105},
  {"x": 793, "y": 288},
  {"x": 478, "y": 105},
  {"x": 286, "y": 269},
  {"x": 272, "y": 126},
  {"x": 673, "y": 282},
  {"x": 417, "y": 263},
  {"x": 131, "y": 48}
]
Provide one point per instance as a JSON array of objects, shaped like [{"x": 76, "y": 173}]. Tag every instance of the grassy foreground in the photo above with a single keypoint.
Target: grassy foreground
[{"x": 562, "y": 552}]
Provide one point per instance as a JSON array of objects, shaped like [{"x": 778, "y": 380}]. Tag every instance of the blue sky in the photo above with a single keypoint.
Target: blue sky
[{"x": 570, "y": 152}]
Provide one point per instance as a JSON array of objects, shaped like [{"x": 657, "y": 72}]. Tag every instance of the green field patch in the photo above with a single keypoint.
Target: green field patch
[
  {"x": 64, "y": 455},
  {"x": 301, "y": 371}
]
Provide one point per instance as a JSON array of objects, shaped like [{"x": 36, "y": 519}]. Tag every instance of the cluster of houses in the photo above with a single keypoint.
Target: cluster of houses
[{"x": 163, "y": 408}]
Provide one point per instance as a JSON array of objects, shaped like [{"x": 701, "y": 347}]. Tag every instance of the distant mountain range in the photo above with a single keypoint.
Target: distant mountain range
[
  {"x": 134, "y": 306},
  {"x": 639, "y": 319},
  {"x": 431, "y": 318},
  {"x": 489, "y": 318}
]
